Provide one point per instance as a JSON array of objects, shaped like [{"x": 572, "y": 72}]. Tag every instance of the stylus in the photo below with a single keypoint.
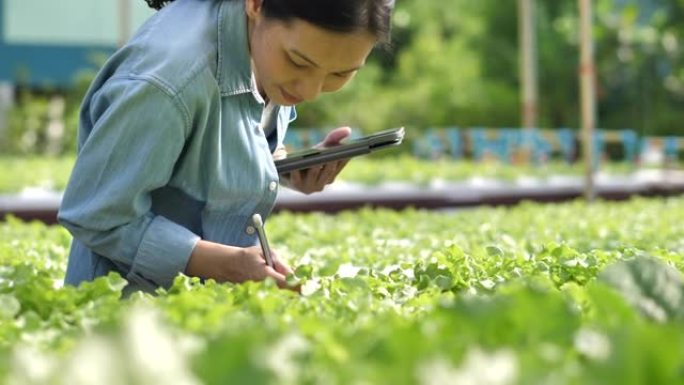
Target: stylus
[{"x": 259, "y": 226}]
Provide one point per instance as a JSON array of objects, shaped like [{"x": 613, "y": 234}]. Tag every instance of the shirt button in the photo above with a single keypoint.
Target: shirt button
[
  {"x": 273, "y": 185},
  {"x": 250, "y": 230}
]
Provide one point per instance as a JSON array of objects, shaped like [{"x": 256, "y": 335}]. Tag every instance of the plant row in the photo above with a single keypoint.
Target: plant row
[{"x": 536, "y": 294}]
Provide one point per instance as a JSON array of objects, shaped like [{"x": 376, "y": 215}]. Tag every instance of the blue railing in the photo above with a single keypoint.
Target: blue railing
[{"x": 513, "y": 145}]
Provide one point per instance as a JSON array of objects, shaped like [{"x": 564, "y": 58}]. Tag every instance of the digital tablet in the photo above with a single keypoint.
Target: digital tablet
[{"x": 303, "y": 159}]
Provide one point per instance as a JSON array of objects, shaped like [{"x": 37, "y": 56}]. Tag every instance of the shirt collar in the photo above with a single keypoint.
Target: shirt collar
[
  {"x": 234, "y": 72},
  {"x": 255, "y": 89}
]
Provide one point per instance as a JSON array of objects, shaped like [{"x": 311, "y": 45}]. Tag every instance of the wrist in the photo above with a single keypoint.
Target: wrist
[{"x": 207, "y": 259}]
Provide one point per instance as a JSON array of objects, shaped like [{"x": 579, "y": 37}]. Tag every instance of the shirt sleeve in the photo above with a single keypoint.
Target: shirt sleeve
[{"x": 138, "y": 132}]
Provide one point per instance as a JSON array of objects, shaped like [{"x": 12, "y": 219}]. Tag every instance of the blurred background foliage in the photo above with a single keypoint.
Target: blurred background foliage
[{"x": 455, "y": 63}]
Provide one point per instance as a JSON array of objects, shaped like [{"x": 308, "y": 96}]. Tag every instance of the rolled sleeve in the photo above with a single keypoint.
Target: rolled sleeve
[{"x": 163, "y": 251}]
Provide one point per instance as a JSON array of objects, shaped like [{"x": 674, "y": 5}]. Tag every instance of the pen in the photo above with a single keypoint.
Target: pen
[{"x": 259, "y": 225}]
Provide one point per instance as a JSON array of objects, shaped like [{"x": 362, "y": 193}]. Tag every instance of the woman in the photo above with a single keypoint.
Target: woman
[{"x": 178, "y": 130}]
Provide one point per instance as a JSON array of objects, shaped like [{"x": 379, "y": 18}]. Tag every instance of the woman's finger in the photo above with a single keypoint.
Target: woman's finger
[
  {"x": 325, "y": 175},
  {"x": 296, "y": 178},
  {"x": 341, "y": 165},
  {"x": 270, "y": 272},
  {"x": 280, "y": 279},
  {"x": 282, "y": 268},
  {"x": 331, "y": 172},
  {"x": 314, "y": 173}
]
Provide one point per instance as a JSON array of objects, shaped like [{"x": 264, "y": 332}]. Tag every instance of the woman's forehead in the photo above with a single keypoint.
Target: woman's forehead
[{"x": 325, "y": 47}]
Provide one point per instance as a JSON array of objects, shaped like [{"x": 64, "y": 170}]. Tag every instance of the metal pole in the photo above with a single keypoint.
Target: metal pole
[
  {"x": 528, "y": 62},
  {"x": 6, "y": 103},
  {"x": 587, "y": 73},
  {"x": 124, "y": 21}
]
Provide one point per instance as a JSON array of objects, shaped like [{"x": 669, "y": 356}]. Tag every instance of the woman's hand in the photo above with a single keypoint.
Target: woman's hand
[
  {"x": 315, "y": 179},
  {"x": 235, "y": 264}
]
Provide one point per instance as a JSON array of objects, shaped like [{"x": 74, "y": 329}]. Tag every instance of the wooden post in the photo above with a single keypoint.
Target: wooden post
[
  {"x": 528, "y": 62},
  {"x": 6, "y": 103},
  {"x": 124, "y": 21},
  {"x": 587, "y": 74}
]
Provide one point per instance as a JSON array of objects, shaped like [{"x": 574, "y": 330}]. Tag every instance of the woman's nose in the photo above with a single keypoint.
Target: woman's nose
[{"x": 310, "y": 88}]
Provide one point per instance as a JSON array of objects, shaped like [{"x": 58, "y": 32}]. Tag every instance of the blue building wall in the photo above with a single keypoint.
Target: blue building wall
[
  {"x": 54, "y": 63},
  {"x": 46, "y": 66}
]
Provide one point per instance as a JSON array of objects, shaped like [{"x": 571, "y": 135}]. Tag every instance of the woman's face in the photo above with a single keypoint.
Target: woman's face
[{"x": 297, "y": 61}]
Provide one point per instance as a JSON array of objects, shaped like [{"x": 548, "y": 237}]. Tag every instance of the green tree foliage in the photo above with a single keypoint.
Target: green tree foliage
[
  {"x": 456, "y": 64},
  {"x": 433, "y": 76},
  {"x": 640, "y": 60}
]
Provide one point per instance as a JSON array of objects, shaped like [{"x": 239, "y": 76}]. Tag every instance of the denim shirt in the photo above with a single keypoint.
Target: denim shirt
[{"x": 171, "y": 149}]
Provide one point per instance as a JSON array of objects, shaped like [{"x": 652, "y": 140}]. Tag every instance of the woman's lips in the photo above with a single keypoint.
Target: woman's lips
[{"x": 289, "y": 98}]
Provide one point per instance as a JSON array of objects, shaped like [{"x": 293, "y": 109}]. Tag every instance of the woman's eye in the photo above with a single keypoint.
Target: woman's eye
[
  {"x": 298, "y": 65},
  {"x": 343, "y": 75}
]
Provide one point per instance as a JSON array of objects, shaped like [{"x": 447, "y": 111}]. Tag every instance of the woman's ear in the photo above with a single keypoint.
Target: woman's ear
[{"x": 253, "y": 8}]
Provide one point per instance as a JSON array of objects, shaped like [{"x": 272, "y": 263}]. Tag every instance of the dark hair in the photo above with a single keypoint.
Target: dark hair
[{"x": 336, "y": 15}]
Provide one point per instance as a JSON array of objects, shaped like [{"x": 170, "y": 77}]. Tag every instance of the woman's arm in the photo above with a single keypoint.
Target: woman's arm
[
  {"x": 135, "y": 132},
  {"x": 138, "y": 132}
]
